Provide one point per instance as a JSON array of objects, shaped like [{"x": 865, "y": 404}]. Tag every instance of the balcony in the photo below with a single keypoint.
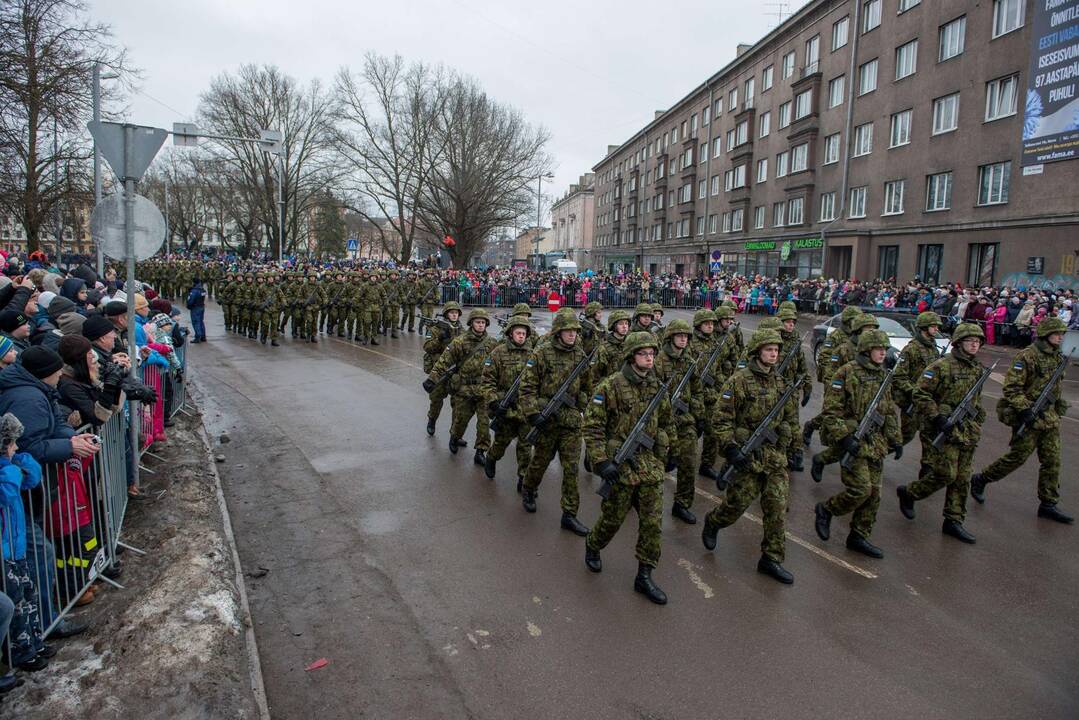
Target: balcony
[
  {"x": 660, "y": 182},
  {"x": 810, "y": 69}
]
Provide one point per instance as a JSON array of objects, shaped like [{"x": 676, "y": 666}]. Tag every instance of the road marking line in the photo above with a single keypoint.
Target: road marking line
[
  {"x": 799, "y": 541},
  {"x": 376, "y": 352},
  {"x": 695, "y": 578}
]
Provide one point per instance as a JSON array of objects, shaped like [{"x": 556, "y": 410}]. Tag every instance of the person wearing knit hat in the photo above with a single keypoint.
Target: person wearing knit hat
[
  {"x": 42, "y": 363},
  {"x": 8, "y": 353},
  {"x": 114, "y": 308},
  {"x": 71, "y": 323},
  {"x": 59, "y": 306},
  {"x": 97, "y": 326},
  {"x": 142, "y": 306},
  {"x": 10, "y": 430},
  {"x": 16, "y": 326},
  {"x": 161, "y": 320},
  {"x": 45, "y": 298},
  {"x": 160, "y": 305}
]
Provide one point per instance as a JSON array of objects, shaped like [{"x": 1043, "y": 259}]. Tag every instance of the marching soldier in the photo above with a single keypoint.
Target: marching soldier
[
  {"x": 618, "y": 402},
  {"x": 391, "y": 302},
  {"x": 746, "y": 398},
  {"x": 642, "y": 318},
  {"x": 410, "y": 295},
  {"x": 247, "y": 294},
  {"x": 914, "y": 359},
  {"x": 442, "y": 334},
  {"x": 224, "y": 298},
  {"x": 592, "y": 326},
  {"x": 672, "y": 363},
  {"x": 368, "y": 302},
  {"x": 657, "y": 319},
  {"x": 1029, "y": 374},
  {"x": 792, "y": 343},
  {"x": 609, "y": 358},
  {"x": 268, "y": 311},
  {"x": 721, "y": 369},
  {"x": 824, "y": 365},
  {"x": 940, "y": 389},
  {"x": 431, "y": 296},
  {"x": 336, "y": 315},
  {"x": 548, "y": 368},
  {"x": 846, "y": 401},
  {"x": 502, "y": 367}
]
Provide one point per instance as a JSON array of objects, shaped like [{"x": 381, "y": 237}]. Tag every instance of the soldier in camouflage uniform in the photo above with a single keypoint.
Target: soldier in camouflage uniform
[
  {"x": 618, "y": 402},
  {"x": 368, "y": 304},
  {"x": 468, "y": 352},
  {"x": 268, "y": 310},
  {"x": 824, "y": 365},
  {"x": 744, "y": 400},
  {"x": 731, "y": 336},
  {"x": 657, "y": 319},
  {"x": 502, "y": 367},
  {"x": 642, "y": 318},
  {"x": 940, "y": 389},
  {"x": 914, "y": 359},
  {"x": 846, "y": 400},
  {"x": 792, "y": 343},
  {"x": 430, "y": 295},
  {"x": 224, "y": 298},
  {"x": 410, "y": 295},
  {"x": 247, "y": 295},
  {"x": 335, "y": 317},
  {"x": 391, "y": 302},
  {"x": 312, "y": 296},
  {"x": 1026, "y": 378},
  {"x": 442, "y": 334},
  {"x": 672, "y": 363},
  {"x": 545, "y": 371},
  {"x": 592, "y": 331},
  {"x": 609, "y": 359}
]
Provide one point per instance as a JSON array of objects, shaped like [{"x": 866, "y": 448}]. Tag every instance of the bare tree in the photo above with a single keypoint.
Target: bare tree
[
  {"x": 482, "y": 180},
  {"x": 387, "y": 140},
  {"x": 175, "y": 185},
  {"x": 47, "y": 55}
]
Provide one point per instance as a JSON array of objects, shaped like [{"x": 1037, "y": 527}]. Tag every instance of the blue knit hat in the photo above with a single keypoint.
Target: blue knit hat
[{"x": 5, "y": 345}]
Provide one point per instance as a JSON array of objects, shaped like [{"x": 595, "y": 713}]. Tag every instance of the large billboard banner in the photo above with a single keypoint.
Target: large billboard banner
[{"x": 1051, "y": 118}]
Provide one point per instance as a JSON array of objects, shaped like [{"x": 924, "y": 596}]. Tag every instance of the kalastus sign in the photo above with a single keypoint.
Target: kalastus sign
[
  {"x": 1051, "y": 115},
  {"x": 787, "y": 246}
]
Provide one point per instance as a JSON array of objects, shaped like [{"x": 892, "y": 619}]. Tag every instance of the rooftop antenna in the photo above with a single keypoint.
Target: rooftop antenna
[{"x": 779, "y": 10}]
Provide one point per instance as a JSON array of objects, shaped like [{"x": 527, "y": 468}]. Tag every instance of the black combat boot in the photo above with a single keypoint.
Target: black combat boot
[
  {"x": 683, "y": 513},
  {"x": 807, "y": 433},
  {"x": 489, "y": 467},
  {"x": 823, "y": 522},
  {"x": 454, "y": 444},
  {"x": 773, "y": 569},
  {"x": 671, "y": 464},
  {"x": 816, "y": 470},
  {"x": 796, "y": 461},
  {"x": 592, "y": 559},
  {"x": 528, "y": 499},
  {"x": 252, "y": 335},
  {"x": 906, "y": 502},
  {"x": 431, "y": 426},
  {"x": 859, "y": 544},
  {"x": 1050, "y": 511},
  {"x": 374, "y": 341},
  {"x": 274, "y": 343},
  {"x": 644, "y": 584},
  {"x": 710, "y": 533},
  {"x": 520, "y": 484},
  {"x": 957, "y": 531},
  {"x": 708, "y": 472},
  {"x": 480, "y": 457},
  {"x": 571, "y": 523},
  {"x": 977, "y": 487},
  {"x": 262, "y": 339},
  {"x": 394, "y": 334},
  {"x": 314, "y": 339}
]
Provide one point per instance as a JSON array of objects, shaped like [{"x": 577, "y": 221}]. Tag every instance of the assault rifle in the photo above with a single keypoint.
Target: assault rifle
[
  {"x": 706, "y": 371},
  {"x": 436, "y": 322},
  {"x": 764, "y": 433},
  {"x": 429, "y": 385},
  {"x": 508, "y": 400},
  {"x": 587, "y": 324},
  {"x": 635, "y": 440},
  {"x": 871, "y": 419},
  {"x": 677, "y": 403},
  {"x": 790, "y": 356},
  {"x": 909, "y": 409},
  {"x": 965, "y": 408},
  {"x": 559, "y": 399},
  {"x": 1043, "y": 397}
]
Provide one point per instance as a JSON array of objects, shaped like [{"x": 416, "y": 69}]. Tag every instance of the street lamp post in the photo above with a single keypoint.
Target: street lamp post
[
  {"x": 98, "y": 77},
  {"x": 539, "y": 204}
]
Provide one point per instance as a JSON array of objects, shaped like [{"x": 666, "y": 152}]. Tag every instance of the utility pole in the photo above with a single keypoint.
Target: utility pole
[
  {"x": 168, "y": 228},
  {"x": 97, "y": 164},
  {"x": 56, "y": 184}
]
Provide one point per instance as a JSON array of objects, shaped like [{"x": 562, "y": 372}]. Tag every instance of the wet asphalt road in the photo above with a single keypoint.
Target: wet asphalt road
[{"x": 434, "y": 595}]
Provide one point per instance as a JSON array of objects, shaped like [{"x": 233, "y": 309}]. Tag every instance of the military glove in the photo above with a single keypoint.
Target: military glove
[
  {"x": 898, "y": 450},
  {"x": 1027, "y": 417},
  {"x": 942, "y": 423},
  {"x": 806, "y": 394},
  {"x": 699, "y": 424},
  {"x": 492, "y": 408},
  {"x": 671, "y": 464},
  {"x": 608, "y": 471},
  {"x": 428, "y": 385},
  {"x": 736, "y": 457},
  {"x": 850, "y": 445},
  {"x": 534, "y": 419}
]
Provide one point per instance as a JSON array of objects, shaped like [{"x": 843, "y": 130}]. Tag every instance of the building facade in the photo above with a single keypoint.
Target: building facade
[
  {"x": 573, "y": 222},
  {"x": 860, "y": 138}
]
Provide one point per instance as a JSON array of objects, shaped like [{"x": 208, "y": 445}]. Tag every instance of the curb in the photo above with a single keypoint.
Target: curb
[{"x": 258, "y": 686}]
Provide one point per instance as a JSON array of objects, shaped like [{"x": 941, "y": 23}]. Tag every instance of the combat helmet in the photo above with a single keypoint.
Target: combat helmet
[
  {"x": 592, "y": 308},
  {"x": 478, "y": 314},
  {"x": 788, "y": 305},
  {"x": 565, "y": 319},
  {"x": 849, "y": 313},
  {"x": 863, "y": 321},
  {"x": 786, "y": 313},
  {"x": 762, "y": 337},
  {"x": 677, "y": 326},
  {"x": 703, "y": 315},
  {"x": 642, "y": 309},
  {"x": 871, "y": 339},
  {"x": 724, "y": 312},
  {"x": 522, "y": 309},
  {"x": 965, "y": 330},
  {"x": 517, "y": 321},
  {"x": 927, "y": 319},
  {"x": 617, "y": 316},
  {"x": 657, "y": 308},
  {"x": 451, "y": 305},
  {"x": 1051, "y": 325},
  {"x": 770, "y": 323},
  {"x": 637, "y": 341}
]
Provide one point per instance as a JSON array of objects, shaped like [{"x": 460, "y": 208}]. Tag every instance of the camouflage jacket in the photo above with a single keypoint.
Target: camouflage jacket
[
  {"x": 670, "y": 367},
  {"x": 825, "y": 367},
  {"x": 942, "y": 386},
  {"x": 846, "y": 399},
  {"x": 747, "y": 396},
  {"x": 792, "y": 342},
  {"x": 1023, "y": 383},
  {"x": 545, "y": 371},
  {"x": 703, "y": 345},
  {"x": 591, "y": 335},
  {"x": 501, "y": 368},
  {"x": 441, "y": 335},
  {"x": 468, "y": 352},
  {"x": 616, "y": 405},
  {"x": 609, "y": 358},
  {"x": 914, "y": 358}
]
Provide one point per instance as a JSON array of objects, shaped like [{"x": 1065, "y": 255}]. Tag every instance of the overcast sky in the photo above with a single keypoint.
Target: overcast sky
[{"x": 591, "y": 72}]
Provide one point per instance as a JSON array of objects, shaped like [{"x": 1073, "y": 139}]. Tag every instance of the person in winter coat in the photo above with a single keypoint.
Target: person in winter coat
[
  {"x": 74, "y": 289},
  {"x": 85, "y": 386},
  {"x": 196, "y": 303}
]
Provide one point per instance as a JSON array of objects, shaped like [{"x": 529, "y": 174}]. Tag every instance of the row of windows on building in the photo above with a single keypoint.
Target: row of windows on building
[
  {"x": 993, "y": 184},
  {"x": 1001, "y": 93}
]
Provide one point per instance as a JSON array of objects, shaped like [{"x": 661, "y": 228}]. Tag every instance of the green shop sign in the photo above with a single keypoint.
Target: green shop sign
[
  {"x": 761, "y": 245},
  {"x": 811, "y": 243}
]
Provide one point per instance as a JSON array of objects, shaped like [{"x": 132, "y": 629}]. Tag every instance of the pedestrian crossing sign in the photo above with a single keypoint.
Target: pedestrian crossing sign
[{"x": 353, "y": 245}]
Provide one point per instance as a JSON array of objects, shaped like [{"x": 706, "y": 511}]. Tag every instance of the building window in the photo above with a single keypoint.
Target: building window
[
  {"x": 706, "y": 116},
  {"x": 827, "y": 206},
  {"x": 867, "y": 77},
  {"x": 737, "y": 220},
  {"x": 993, "y": 183},
  {"x": 938, "y": 192},
  {"x": 715, "y": 185},
  {"x": 795, "y": 214},
  {"x": 799, "y": 157},
  {"x": 717, "y": 110},
  {"x": 952, "y": 39},
  {"x": 906, "y": 60},
  {"x": 784, "y": 114},
  {"x": 702, "y": 189},
  {"x": 717, "y": 146},
  {"x": 741, "y": 134},
  {"x": 905, "y": 5},
  {"x": 812, "y": 58},
  {"x": 930, "y": 260},
  {"x": 674, "y": 135},
  {"x": 840, "y": 30},
  {"x": 858, "y": 197},
  {"x": 767, "y": 78},
  {"x": 700, "y": 225},
  {"x": 781, "y": 164},
  {"x": 779, "y": 214},
  {"x": 1007, "y": 16},
  {"x": 831, "y": 149},
  {"x": 750, "y": 91},
  {"x": 900, "y": 130},
  {"x": 758, "y": 217},
  {"x": 837, "y": 88},
  {"x": 870, "y": 15},
  {"x": 863, "y": 139},
  {"x": 803, "y": 102},
  {"x": 888, "y": 262},
  {"x": 788, "y": 64},
  {"x": 712, "y": 224},
  {"x": 732, "y": 100},
  {"x": 982, "y": 268},
  {"x": 1000, "y": 97},
  {"x": 726, "y": 222},
  {"x": 762, "y": 170},
  {"x": 893, "y": 197},
  {"x": 946, "y": 114},
  {"x": 735, "y": 178},
  {"x": 765, "y": 123}
]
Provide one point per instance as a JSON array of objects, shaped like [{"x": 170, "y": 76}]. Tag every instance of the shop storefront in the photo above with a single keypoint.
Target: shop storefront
[
  {"x": 801, "y": 258},
  {"x": 621, "y": 263}
]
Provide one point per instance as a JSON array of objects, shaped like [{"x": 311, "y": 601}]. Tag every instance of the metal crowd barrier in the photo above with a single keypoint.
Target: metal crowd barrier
[
  {"x": 577, "y": 297},
  {"x": 178, "y": 398}
]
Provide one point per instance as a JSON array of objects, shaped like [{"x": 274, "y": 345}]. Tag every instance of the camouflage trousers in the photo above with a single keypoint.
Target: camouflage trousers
[
  {"x": 267, "y": 323},
  {"x": 230, "y": 316},
  {"x": 684, "y": 453},
  {"x": 438, "y": 397},
  {"x": 510, "y": 429},
  {"x": 861, "y": 496},
  {"x": 646, "y": 497},
  {"x": 1047, "y": 443},
  {"x": 336, "y": 319},
  {"x": 408, "y": 316},
  {"x": 909, "y": 425},
  {"x": 710, "y": 444},
  {"x": 772, "y": 487},
  {"x": 464, "y": 407},
  {"x": 949, "y": 467},
  {"x": 364, "y": 322},
  {"x": 567, "y": 443},
  {"x": 390, "y": 316},
  {"x": 308, "y": 320}
]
